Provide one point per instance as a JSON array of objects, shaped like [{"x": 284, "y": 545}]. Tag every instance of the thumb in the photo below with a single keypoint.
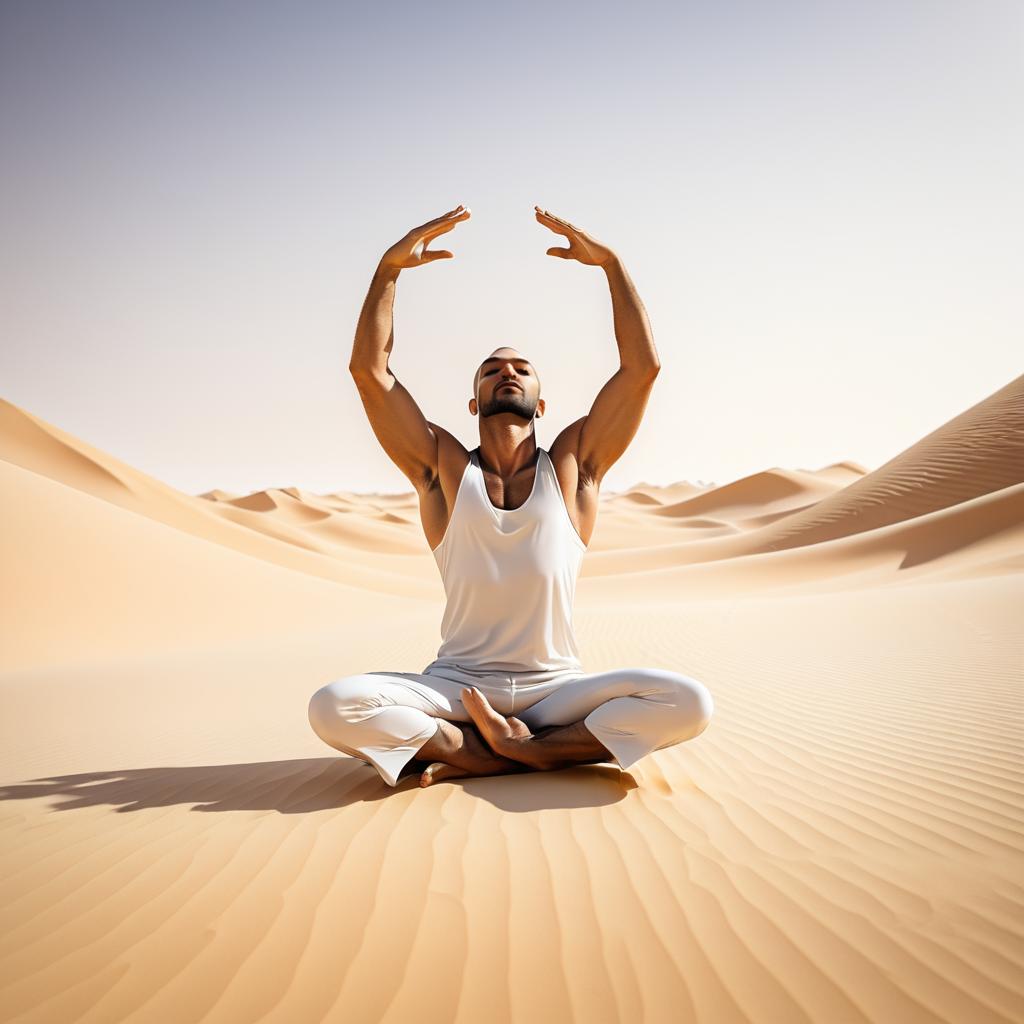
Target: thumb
[
  {"x": 563, "y": 253},
  {"x": 436, "y": 254}
]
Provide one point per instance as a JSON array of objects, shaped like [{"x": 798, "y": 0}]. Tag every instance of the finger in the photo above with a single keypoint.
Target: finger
[
  {"x": 448, "y": 214},
  {"x": 432, "y": 231},
  {"x": 458, "y": 213},
  {"x": 553, "y": 222},
  {"x": 437, "y": 227},
  {"x": 562, "y": 221},
  {"x": 550, "y": 222},
  {"x": 564, "y": 253},
  {"x": 440, "y": 254}
]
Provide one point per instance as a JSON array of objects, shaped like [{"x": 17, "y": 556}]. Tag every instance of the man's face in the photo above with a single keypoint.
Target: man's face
[{"x": 495, "y": 393}]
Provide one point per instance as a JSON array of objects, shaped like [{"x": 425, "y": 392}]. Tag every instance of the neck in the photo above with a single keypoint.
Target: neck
[{"x": 507, "y": 457}]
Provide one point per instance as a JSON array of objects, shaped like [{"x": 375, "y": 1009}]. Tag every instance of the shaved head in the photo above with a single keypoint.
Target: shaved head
[{"x": 498, "y": 355}]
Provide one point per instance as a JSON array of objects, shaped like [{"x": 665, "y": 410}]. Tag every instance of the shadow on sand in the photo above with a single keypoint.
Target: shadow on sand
[{"x": 311, "y": 784}]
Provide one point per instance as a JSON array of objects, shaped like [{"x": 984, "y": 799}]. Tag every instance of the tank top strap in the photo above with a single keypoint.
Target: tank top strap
[{"x": 544, "y": 477}]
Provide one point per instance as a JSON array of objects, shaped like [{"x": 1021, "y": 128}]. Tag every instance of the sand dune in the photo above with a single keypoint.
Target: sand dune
[
  {"x": 346, "y": 549},
  {"x": 981, "y": 537},
  {"x": 651, "y": 494},
  {"x": 772, "y": 490},
  {"x": 842, "y": 844},
  {"x": 218, "y": 495},
  {"x": 139, "y": 586},
  {"x": 977, "y": 452}
]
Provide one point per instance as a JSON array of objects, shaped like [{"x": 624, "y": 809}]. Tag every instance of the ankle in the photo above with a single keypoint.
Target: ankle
[
  {"x": 458, "y": 744},
  {"x": 445, "y": 744},
  {"x": 534, "y": 754}
]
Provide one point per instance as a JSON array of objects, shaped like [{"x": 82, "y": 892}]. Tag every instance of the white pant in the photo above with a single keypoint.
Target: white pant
[{"x": 385, "y": 717}]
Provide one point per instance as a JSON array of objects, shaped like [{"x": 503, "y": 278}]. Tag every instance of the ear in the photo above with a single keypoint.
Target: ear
[
  {"x": 540, "y": 408},
  {"x": 472, "y": 407}
]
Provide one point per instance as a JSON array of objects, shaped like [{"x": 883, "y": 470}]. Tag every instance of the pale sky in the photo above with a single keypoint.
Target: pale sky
[{"x": 820, "y": 205}]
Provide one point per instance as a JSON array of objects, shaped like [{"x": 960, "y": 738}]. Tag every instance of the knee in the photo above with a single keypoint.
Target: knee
[
  {"x": 694, "y": 703},
  {"x": 337, "y": 708}
]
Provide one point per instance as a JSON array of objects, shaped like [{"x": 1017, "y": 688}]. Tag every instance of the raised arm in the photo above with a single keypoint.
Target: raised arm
[
  {"x": 618, "y": 409},
  {"x": 396, "y": 419}
]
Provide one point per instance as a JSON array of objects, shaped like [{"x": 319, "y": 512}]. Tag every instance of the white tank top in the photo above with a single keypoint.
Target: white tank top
[{"x": 509, "y": 578}]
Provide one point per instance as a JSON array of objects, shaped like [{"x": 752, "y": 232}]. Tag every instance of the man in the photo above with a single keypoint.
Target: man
[{"x": 508, "y": 524}]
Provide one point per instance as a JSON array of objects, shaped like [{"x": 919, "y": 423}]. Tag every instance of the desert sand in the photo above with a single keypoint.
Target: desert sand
[{"x": 843, "y": 843}]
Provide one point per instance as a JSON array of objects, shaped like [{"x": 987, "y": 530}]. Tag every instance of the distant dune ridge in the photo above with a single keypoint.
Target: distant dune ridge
[
  {"x": 843, "y": 843},
  {"x": 978, "y": 452}
]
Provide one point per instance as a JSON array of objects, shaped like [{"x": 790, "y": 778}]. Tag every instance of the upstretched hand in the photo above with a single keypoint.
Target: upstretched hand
[
  {"x": 411, "y": 251},
  {"x": 581, "y": 246}
]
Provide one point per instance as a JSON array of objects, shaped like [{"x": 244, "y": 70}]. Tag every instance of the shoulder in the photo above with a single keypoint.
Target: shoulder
[
  {"x": 444, "y": 437},
  {"x": 564, "y": 454},
  {"x": 578, "y": 487},
  {"x": 452, "y": 456},
  {"x": 568, "y": 440}
]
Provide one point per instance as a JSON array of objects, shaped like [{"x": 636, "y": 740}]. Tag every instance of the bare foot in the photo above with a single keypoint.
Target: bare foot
[
  {"x": 439, "y": 771},
  {"x": 507, "y": 737},
  {"x": 472, "y": 757}
]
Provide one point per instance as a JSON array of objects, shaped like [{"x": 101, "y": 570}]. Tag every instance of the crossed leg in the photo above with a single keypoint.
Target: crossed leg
[
  {"x": 457, "y": 750},
  {"x": 620, "y": 715},
  {"x": 508, "y": 745},
  {"x": 389, "y": 719},
  {"x": 557, "y": 746}
]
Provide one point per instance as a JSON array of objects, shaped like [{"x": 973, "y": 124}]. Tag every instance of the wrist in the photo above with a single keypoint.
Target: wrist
[
  {"x": 611, "y": 264},
  {"x": 385, "y": 272}
]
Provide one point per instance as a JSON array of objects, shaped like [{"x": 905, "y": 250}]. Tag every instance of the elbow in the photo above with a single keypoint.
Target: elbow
[
  {"x": 358, "y": 372},
  {"x": 647, "y": 371}
]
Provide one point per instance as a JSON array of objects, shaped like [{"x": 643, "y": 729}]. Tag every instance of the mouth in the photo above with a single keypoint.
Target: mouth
[{"x": 509, "y": 385}]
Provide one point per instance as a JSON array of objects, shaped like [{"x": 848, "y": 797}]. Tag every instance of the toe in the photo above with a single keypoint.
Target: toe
[
  {"x": 440, "y": 771},
  {"x": 472, "y": 702},
  {"x": 518, "y": 728},
  {"x": 479, "y": 704}
]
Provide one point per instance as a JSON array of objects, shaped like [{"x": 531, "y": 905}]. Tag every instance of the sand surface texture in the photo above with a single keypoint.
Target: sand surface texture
[{"x": 843, "y": 843}]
